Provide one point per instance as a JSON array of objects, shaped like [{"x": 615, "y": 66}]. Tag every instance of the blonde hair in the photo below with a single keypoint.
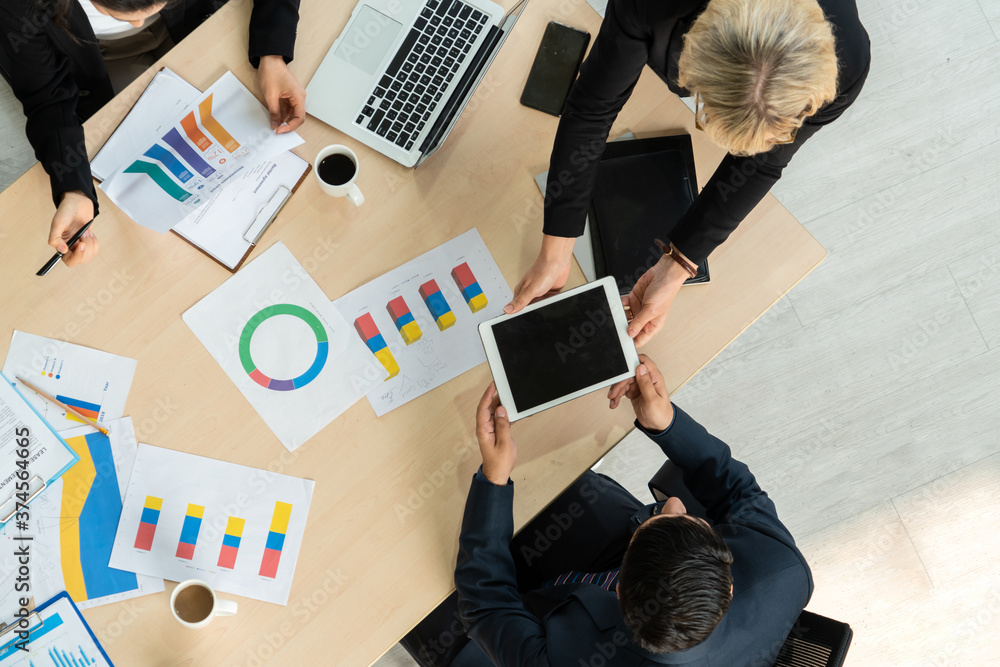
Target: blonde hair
[{"x": 761, "y": 67}]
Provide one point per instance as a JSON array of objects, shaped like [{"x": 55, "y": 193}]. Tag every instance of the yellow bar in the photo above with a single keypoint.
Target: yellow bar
[
  {"x": 214, "y": 127},
  {"x": 197, "y": 511},
  {"x": 410, "y": 332},
  {"x": 388, "y": 361},
  {"x": 477, "y": 303},
  {"x": 77, "y": 482},
  {"x": 235, "y": 526},
  {"x": 154, "y": 503},
  {"x": 446, "y": 320},
  {"x": 282, "y": 512}
]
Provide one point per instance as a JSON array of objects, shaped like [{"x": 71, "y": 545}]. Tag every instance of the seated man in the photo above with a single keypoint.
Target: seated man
[{"x": 597, "y": 579}]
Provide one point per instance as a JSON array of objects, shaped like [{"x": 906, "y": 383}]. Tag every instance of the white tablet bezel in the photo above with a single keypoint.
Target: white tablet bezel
[{"x": 621, "y": 326}]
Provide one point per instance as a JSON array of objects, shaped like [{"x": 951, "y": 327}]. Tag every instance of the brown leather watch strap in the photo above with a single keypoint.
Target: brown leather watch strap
[{"x": 671, "y": 251}]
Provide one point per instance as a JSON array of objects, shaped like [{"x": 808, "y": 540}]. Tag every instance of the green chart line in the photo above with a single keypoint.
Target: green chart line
[{"x": 160, "y": 178}]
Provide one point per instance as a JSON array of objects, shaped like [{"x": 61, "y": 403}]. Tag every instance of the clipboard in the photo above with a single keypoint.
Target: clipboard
[
  {"x": 58, "y": 457},
  {"x": 56, "y": 619}
]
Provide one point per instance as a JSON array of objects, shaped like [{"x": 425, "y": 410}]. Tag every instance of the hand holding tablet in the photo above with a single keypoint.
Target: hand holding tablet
[{"x": 559, "y": 349}]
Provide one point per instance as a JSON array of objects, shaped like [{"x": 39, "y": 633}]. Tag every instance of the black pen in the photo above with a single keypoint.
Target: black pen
[{"x": 69, "y": 244}]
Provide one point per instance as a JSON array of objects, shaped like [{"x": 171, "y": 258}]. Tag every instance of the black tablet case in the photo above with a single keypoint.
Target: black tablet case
[{"x": 644, "y": 187}]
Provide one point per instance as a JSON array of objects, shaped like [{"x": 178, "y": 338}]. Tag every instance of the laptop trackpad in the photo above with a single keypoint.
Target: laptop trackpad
[{"x": 368, "y": 40}]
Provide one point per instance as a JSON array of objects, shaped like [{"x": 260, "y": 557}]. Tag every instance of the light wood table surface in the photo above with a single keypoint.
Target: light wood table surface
[{"x": 382, "y": 534}]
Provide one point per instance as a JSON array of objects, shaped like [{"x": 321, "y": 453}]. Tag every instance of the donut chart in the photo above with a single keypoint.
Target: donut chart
[{"x": 322, "y": 347}]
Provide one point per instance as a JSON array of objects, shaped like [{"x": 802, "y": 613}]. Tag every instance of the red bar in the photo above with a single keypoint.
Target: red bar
[
  {"x": 366, "y": 327},
  {"x": 428, "y": 288},
  {"x": 397, "y": 308},
  {"x": 194, "y": 134},
  {"x": 259, "y": 378},
  {"x": 463, "y": 275},
  {"x": 227, "y": 557},
  {"x": 144, "y": 539},
  {"x": 269, "y": 565},
  {"x": 185, "y": 550}
]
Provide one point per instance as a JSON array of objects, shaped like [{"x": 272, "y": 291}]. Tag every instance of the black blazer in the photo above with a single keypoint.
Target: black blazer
[
  {"x": 640, "y": 32},
  {"x": 61, "y": 81},
  {"x": 771, "y": 580}
]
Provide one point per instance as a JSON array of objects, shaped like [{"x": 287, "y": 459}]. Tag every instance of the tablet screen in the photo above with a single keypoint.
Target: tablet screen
[{"x": 559, "y": 349}]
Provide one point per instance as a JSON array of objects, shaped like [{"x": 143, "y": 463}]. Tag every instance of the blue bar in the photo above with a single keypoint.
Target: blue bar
[
  {"x": 322, "y": 349},
  {"x": 189, "y": 531},
  {"x": 375, "y": 343},
  {"x": 404, "y": 319},
  {"x": 275, "y": 540},
  {"x": 230, "y": 541},
  {"x": 84, "y": 656},
  {"x": 174, "y": 140},
  {"x": 158, "y": 152},
  {"x": 472, "y": 291},
  {"x": 437, "y": 304},
  {"x": 149, "y": 515}
]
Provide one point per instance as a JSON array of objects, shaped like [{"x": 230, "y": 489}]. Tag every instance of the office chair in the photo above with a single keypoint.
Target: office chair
[{"x": 814, "y": 641}]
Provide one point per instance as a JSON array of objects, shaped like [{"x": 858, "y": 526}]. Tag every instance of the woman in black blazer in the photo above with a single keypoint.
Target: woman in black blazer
[
  {"x": 767, "y": 75},
  {"x": 52, "y": 60}
]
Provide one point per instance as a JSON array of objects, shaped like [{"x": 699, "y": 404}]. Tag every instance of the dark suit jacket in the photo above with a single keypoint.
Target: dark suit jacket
[
  {"x": 640, "y": 32},
  {"x": 771, "y": 580},
  {"x": 60, "y": 79}
]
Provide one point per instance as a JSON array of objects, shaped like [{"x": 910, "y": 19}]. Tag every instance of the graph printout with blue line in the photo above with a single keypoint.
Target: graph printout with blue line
[{"x": 61, "y": 640}]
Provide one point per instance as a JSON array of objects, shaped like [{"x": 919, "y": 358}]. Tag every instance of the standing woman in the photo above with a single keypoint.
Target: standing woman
[
  {"x": 765, "y": 74},
  {"x": 52, "y": 53}
]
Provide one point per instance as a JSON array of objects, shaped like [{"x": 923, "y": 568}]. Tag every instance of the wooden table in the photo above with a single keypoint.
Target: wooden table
[{"x": 380, "y": 549}]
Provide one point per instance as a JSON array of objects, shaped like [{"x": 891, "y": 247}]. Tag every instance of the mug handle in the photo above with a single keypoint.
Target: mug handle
[
  {"x": 225, "y": 607},
  {"x": 354, "y": 194}
]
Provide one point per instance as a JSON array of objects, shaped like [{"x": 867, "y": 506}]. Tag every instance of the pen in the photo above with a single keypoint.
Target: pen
[
  {"x": 69, "y": 244},
  {"x": 65, "y": 407}
]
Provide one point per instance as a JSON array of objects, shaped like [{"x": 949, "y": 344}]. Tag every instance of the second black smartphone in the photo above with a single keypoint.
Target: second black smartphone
[{"x": 555, "y": 68}]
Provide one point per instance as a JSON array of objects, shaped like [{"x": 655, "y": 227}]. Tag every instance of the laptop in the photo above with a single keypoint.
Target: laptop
[{"x": 402, "y": 71}]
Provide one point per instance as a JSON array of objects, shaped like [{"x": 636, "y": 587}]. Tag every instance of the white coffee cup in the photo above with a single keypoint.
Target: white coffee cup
[
  {"x": 347, "y": 189},
  {"x": 209, "y": 607}
]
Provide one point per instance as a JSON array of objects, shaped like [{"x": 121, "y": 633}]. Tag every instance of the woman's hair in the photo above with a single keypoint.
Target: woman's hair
[{"x": 761, "y": 67}]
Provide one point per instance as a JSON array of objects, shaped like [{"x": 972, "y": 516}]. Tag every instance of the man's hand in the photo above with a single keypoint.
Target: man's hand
[
  {"x": 648, "y": 394},
  {"x": 548, "y": 274},
  {"x": 283, "y": 94},
  {"x": 75, "y": 210},
  {"x": 651, "y": 298},
  {"x": 495, "y": 442}
]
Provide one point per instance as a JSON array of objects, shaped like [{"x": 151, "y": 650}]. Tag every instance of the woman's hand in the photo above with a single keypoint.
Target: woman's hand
[
  {"x": 651, "y": 298},
  {"x": 495, "y": 441},
  {"x": 548, "y": 274},
  {"x": 75, "y": 210},
  {"x": 283, "y": 94}
]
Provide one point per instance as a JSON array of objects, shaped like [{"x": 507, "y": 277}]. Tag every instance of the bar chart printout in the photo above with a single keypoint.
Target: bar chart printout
[
  {"x": 370, "y": 334},
  {"x": 275, "y": 539},
  {"x": 404, "y": 320},
  {"x": 437, "y": 304},
  {"x": 190, "y": 530},
  {"x": 147, "y": 524},
  {"x": 471, "y": 290},
  {"x": 231, "y": 542}
]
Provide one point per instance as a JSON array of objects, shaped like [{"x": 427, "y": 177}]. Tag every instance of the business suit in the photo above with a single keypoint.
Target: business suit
[
  {"x": 61, "y": 80},
  {"x": 578, "y": 624},
  {"x": 640, "y": 32}
]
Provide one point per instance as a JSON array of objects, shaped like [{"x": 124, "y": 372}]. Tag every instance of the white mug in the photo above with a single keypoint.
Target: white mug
[
  {"x": 218, "y": 608},
  {"x": 348, "y": 189}
]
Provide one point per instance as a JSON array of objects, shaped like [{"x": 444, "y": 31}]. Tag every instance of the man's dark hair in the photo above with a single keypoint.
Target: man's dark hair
[
  {"x": 59, "y": 9},
  {"x": 675, "y": 583}
]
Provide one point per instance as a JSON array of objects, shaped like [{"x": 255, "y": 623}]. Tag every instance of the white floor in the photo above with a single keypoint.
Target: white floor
[{"x": 866, "y": 401}]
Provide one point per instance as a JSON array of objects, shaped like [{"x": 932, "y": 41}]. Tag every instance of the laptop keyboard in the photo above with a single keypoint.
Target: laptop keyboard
[{"x": 426, "y": 62}]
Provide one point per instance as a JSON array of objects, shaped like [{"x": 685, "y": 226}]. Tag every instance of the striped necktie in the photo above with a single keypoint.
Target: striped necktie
[{"x": 606, "y": 580}]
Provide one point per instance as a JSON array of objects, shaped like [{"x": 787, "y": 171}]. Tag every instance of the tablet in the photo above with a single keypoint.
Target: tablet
[{"x": 561, "y": 348}]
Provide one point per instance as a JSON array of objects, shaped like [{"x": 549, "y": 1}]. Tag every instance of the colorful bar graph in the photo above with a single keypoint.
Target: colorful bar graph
[
  {"x": 370, "y": 334},
  {"x": 275, "y": 539},
  {"x": 231, "y": 542},
  {"x": 170, "y": 161},
  {"x": 174, "y": 139},
  {"x": 11, "y": 648},
  {"x": 85, "y": 408},
  {"x": 437, "y": 304},
  {"x": 159, "y": 177},
  {"x": 214, "y": 127},
  {"x": 197, "y": 137},
  {"x": 147, "y": 523},
  {"x": 471, "y": 291},
  {"x": 403, "y": 319},
  {"x": 189, "y": 531}
]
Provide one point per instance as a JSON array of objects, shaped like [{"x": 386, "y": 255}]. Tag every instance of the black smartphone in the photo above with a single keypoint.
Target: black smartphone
[{"x": 555, "y": 67}]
